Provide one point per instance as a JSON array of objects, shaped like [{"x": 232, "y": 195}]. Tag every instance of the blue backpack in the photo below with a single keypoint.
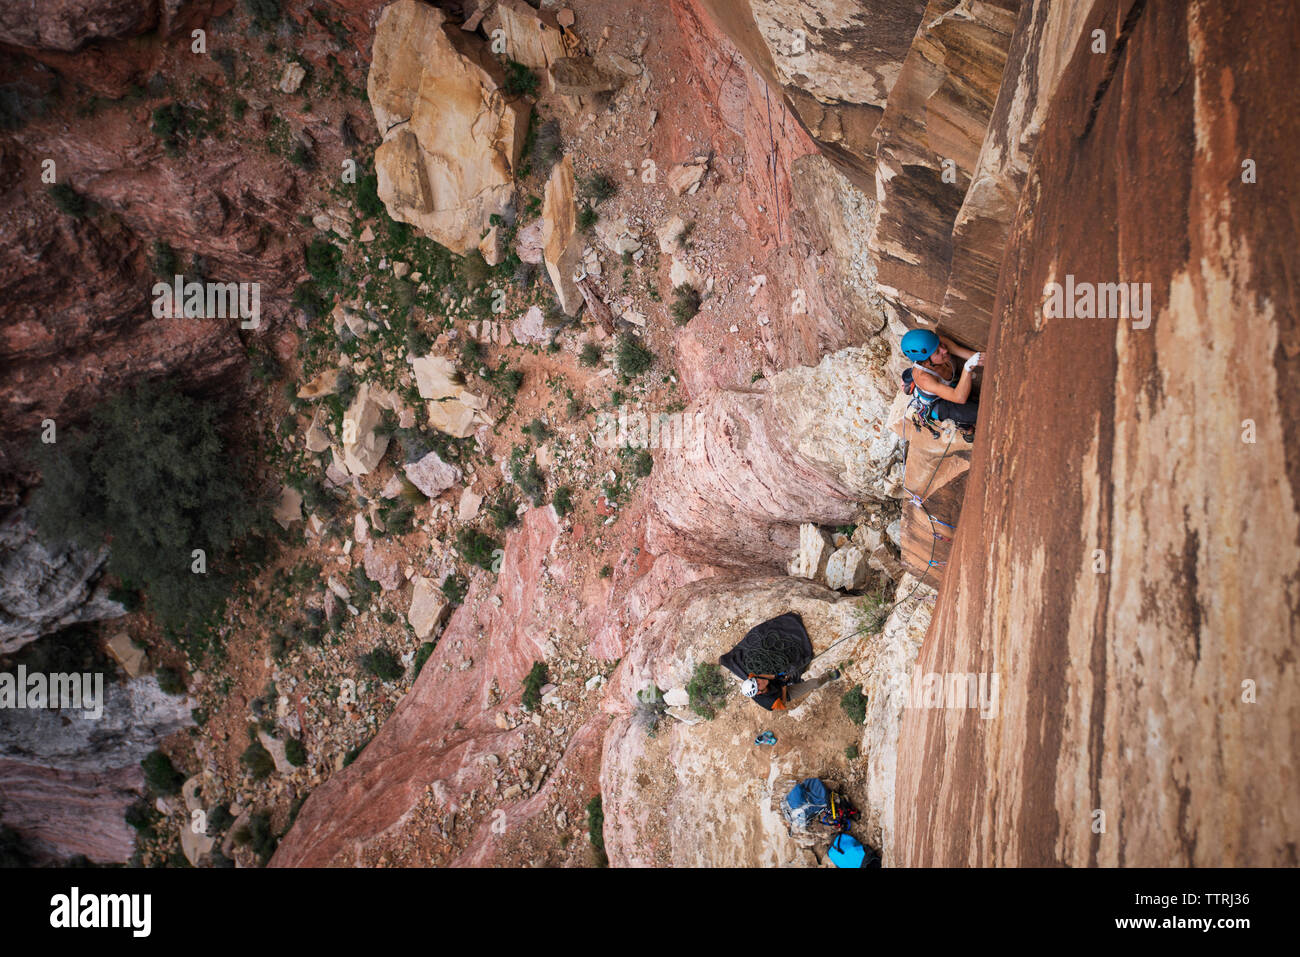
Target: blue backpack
[
  {"x": 847, "y": 851},
  {"x": 806, "y": 802}
]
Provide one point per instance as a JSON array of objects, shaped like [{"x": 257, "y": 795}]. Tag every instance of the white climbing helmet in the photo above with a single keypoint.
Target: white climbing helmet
[{"x": 749, "y": 687}]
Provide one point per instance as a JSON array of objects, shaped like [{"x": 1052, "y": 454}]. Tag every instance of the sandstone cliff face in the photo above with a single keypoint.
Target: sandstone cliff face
[
  {"x": 1157, "y": 688},
  {"x": 809, "y": 447}
]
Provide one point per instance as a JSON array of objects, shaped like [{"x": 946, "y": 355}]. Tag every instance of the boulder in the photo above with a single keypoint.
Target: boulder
[
  {"x": 846, "y": 569},
  {"x": 133, "y": 659},
  {"x": 529, "y": 242},
  {"x": 813, "y": 554},
  {"x": 561, "y": 244},
  {"x": 291, "y": 78},
  {"x": 383, "y": 566},
  {"x": 469, "y": 504},
  {"x": 289, "y": 507},
  {"x": 428, "y": 606},
  {"x": 366, "y": 448},
  {"x": 670, "y": 236},
  {"x": 582, "y": 76},
  {"x": 431, "y": 475},
  {"x": 686, "y": 176},
  {"x": 325, "y": 382},
  {"x": 451, "y": 137}
]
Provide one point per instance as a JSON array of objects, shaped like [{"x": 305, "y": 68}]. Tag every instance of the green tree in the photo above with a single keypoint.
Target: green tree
[{"x": 150, "y": 473}]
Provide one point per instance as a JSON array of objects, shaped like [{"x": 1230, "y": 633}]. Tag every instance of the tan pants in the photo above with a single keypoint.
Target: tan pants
[{"x": 797, "y": 692}]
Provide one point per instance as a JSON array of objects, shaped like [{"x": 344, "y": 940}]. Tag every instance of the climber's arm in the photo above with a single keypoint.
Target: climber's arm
[{"x": 958, "y": 393}]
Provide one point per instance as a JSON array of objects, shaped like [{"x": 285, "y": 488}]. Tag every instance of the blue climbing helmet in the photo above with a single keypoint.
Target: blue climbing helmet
[{"x": 919, "y": 344}]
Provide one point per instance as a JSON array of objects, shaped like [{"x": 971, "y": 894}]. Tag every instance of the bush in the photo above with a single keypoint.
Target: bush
[
  {"x": 520, "y": 81},
  {"x": 854, "y": 703},
  {"x": 160, "y": 775},
  {"x": 295, "y": 753},
  {"x": 383, "y": 664},
  {"x": 220, "y": 819},
  {"x": 537, "y": 430},
  {"x": 598, "y": 188},
  {"x": 267, "y": 13},
  {"x": 453, "y": 589},
  {"x": 532, "y": 697},
  {"x": 587, "y": 217},
  {"x": 643, "y": 463},
  {"x": 258, "y": 836},
  {"x": 528, "y": 476},
  {"x": 421, "y": 656},
  {"x": 851, "y": 752},
  {"x": 322, "y": 259},
  {"x": 504, "y": 510},
  {"x": 707, "y": 689},
  {"x": 590, "y": 355},
  {"x": 68, "y": 201},
  {"x": 368, "y": 201},
  {"x": 606, "y": 571},
  {"x": 596, "y": 829},
  {"x": 547, "y": 147},
  {"x": 258, "y": 760},
  {"x": 508, "y": 381},
  {"x": 151, "y": 473},
  {"x": 171, "y": 124},
  {"x": 142, "y": 816},
  {"x": 563, "y": 501},
  {"x": 632, "y": 357},
  {"x": 650, "y": 709},
  {"x": 171, "y": 680},
  {"x": 477, "y": 548},
  {"x": 686, "y": 303}
]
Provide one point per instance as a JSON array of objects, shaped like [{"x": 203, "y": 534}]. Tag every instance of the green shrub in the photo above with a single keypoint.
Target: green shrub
[
  {"x": 477, "y": 548},
  {"x": 643, "y": 463},
  {"x": 172, "y": 123},
  {"x": 68, "y": 201},
  {"x": 545, "y": 150},
  {"x": 152, "y": 474},
  {"x": 707, "y": 689},
  {"x": 504, "y": 510},
  {"x": 383, "y": 664},
  {"x": 220, "y": 819},
  {"x": 453, "y": 589},
  {"x": 266, "y": 13},
  {"x": 528, "y": 476},
  {"x": 368, "y": 201},
  {"x": 520, "y": 81},
  {"x": 596, "y": 829},
  {"x": 606, "y": 571},
  {"x": 590, "y": 355},
  {"x": 563, "y": 501},
  {"x": 507, "y": 381},
  {"x": 421, "y": 656},
  {"x": 854, "y": 703},
  {"x": 309, "y": 300},
  {"x": 160, "y": 775},
  {"x": 258, "y": 836},
  {"x": 322, "y": 259},
  {"x": 171, "y": 680},
  {"x": 686, "y": 303},
  {"x": 851, "y": 752},
  {"x": 598, "y": 188},
  {"x": 537, "y": 430},
  {"x": 142, "y": 816},
  {"x": 587, "y": 217},
  {"x": 532, "y": 697},
  {"x": 295, "y": 753},
  {"x": 258, "y": 760},
  {"x": 632, "y": 357}
]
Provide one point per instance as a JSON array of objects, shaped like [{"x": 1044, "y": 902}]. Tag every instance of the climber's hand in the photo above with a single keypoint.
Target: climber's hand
[{"x": 975, "y": 360}]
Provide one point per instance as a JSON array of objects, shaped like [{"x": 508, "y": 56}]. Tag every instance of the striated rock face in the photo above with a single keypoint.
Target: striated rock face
[
  {"x": 42, "y": 589},
  {"x": 1141, "y": 625},
  {"x": 561, "y": 244},
  {"x": 807, "y": 448},
  {"x": 451, "y": 138},
  {"x": 65, "y": 782},
  {"x": 835, "y": 61}
]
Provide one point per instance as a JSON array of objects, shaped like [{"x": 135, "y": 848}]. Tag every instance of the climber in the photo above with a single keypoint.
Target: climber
[
  {"x": 770, "y": 661},
  {"x": 775, "y": 694},
  {"x": 942, "y": 384}
]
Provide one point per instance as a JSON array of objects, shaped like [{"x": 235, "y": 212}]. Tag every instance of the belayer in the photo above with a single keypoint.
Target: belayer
[
  {"x": 770, "y": 661},
  {"x": 941, "y": 377}
]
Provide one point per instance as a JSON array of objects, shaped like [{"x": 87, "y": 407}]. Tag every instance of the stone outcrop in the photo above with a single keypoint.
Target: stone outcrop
[
  {"x": 451, "y": 137},
  {"x": 759, "y": 462},
  {"x": 561, "y": 244},
  {"x": 452, "y": 408},
  {"x": 45, "y": 588},
  {"x": 1139, "y": 626},
  {"x": 363, "y": 446},
  {"x": 66, "y": 781}
]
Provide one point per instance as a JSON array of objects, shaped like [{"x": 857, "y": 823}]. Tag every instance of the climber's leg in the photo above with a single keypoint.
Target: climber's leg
[
  {"x": 797, "y": 692},
  {"x": 964, "y": 413}
]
